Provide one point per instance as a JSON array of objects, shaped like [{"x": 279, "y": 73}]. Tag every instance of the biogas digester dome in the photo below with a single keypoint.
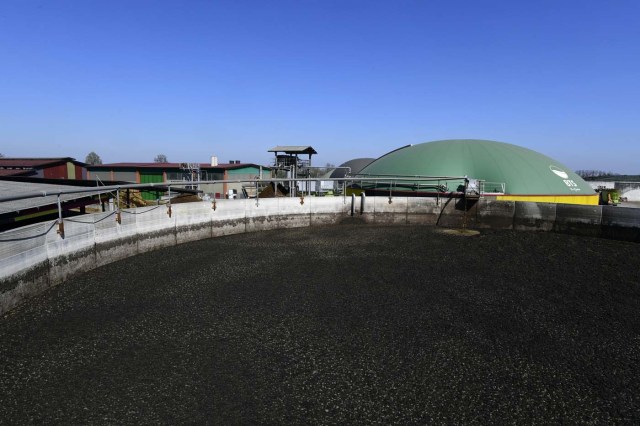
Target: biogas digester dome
[{"x": 527, "y": 175}]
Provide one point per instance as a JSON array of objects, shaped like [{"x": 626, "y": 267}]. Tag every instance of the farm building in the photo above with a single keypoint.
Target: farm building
[
  {"x": 48, "y": 168},
  {"x": 181, "y": 172}
]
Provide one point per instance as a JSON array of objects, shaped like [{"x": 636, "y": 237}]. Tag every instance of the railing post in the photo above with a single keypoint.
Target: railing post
[
  {"x": 362, "y": 198},
  {"x": 258, "y": 195},
  {"x": 344, "y": 192},
  {"x": 353, "y": 204},
  {"x": 169, "y": 203},
  {"x": 60, "y": 221},
  {"x": 118, "y": 216}
]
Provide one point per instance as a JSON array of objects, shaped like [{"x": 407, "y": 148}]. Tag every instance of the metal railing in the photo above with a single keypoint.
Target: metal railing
[
  {"x": 393, "y": 183},
  {"x": 487, "y": 187},
  {"x": 436, "y": 184}
]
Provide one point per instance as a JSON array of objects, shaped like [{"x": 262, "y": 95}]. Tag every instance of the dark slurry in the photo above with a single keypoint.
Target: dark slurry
[{"x": 343, "y": 324}]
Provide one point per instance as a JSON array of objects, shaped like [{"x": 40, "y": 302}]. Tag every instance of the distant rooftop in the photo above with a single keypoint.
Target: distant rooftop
[
  {"x": 292, "y": 149},
  {"x": 154, "y": 165},
  {"x": 29, "y": 163}
]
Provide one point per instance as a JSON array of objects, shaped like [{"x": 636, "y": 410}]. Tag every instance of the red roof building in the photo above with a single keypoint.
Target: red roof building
[{"x": 49, "y": 168}]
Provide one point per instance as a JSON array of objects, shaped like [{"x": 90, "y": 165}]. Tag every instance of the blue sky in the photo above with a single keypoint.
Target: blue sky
[{"x": 352, "y": 78}]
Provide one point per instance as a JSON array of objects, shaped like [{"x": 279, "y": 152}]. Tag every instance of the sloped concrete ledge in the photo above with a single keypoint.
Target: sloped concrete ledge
[
  {"x": 621, "y": 223},
  {"x": 530, "y": 216},
  {"x": 495, "y": 215},
  {"x": 16, "y": 288},
  {"x": 578, "y": 220}
]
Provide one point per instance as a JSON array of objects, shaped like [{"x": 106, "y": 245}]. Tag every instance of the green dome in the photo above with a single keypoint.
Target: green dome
[{"x": 525, "y": 172}]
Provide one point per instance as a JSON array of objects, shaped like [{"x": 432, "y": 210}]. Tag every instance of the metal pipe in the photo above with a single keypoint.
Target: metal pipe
[
  {"x": 353, "y": 204},
  {"x": 91, "y": 191},
  {"x": 362, "y": 198},
  {"x": 258, "y": 195},
  {"x": 118, "y": 213},
  {"x": 411, "y": 177},
  {"x": 344, "y": 192},
  {"x": 292, "y": 184},
  {"x": 106, "y": 189}
]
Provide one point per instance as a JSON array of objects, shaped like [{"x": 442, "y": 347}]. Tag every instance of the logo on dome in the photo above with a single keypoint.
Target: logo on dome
[{"x": 559, "y": 172}]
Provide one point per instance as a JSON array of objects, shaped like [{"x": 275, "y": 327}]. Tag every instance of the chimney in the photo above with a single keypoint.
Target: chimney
[{"x": 214, "y": 161}]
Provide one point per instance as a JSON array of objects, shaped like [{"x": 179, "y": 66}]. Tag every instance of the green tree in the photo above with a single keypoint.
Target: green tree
[
  {"x": 160, "y": 158},
  {"x": 93, "y": 159}
]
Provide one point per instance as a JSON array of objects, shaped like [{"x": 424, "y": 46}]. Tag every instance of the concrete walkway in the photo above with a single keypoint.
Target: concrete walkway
[{"x": 342, "y": 324}]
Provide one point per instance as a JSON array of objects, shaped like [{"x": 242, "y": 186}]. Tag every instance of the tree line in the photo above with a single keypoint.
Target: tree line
[
  {"x": 590, "y": 174},
  {"x": 94, "y": 159}
]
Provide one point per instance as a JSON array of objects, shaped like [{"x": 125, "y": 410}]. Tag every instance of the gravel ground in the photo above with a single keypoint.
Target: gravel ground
[{"x": 342, "y": 324}]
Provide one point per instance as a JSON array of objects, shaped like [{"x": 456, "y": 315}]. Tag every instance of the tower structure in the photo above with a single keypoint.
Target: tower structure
[
  {"x": 289, "y": 164},
  {"x": 190, "y": 173}
]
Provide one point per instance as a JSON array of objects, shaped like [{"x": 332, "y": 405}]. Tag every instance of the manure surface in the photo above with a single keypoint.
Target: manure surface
[{"x": 342, "y": 324}]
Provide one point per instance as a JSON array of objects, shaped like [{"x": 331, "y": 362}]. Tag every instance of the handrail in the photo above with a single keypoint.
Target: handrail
[
  {"x": 407, "y": 177},
  {"x": 499, "y": 187},
  {"x": 111, "y": 188}
]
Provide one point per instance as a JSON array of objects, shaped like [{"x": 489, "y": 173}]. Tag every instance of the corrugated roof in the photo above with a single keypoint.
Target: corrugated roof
[
  {"x": 10, "y": 189},
  {"x": 294, "y": 149}
]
